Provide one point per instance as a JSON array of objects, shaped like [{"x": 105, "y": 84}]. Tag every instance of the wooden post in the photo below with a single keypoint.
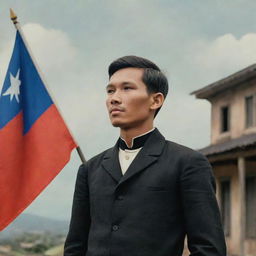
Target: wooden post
[{"x": 241, "y": 177}]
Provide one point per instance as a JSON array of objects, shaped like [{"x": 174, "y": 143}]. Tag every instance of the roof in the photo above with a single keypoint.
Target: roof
[
  {"x": 226, "y": 83},
  {"x": 238, "y": 143}
]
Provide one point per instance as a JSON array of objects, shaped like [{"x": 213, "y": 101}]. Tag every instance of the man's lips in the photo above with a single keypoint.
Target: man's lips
[{"x": 116, "y": 110}]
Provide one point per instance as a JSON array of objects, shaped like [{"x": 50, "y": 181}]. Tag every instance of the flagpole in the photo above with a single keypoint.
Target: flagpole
[{"x": 13, "y": 17}]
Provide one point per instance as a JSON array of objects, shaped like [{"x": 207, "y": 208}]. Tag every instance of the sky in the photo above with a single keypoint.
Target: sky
[{"x": 194, "y": 42}]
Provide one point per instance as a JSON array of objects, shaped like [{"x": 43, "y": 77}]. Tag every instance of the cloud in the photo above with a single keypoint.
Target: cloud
[
  {"x": 52, "y": 50},
  {"x": 225, "y": 54},
  {"x": 204, "y": 62}
]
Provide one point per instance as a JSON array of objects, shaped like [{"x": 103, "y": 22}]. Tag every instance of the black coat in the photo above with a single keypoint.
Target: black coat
[{"x": 167, "y": 192}]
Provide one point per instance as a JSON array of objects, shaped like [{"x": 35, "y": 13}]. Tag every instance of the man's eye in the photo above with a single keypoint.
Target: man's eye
[
  {"x": 109, "y": 91},
  {"x": 127, "y": 88}
]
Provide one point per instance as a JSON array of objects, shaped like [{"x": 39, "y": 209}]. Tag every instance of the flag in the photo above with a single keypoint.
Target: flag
[{"x": 35, "y": 143}]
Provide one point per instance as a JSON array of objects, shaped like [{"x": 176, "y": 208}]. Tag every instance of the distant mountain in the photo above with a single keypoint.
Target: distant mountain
[{"x": 34, "y": 224}]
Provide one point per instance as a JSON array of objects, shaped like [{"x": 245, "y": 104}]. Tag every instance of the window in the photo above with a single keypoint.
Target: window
[
  {"x": 225, "y": 205},
  {"x": 225, "y": 119},
  {"x": 249, "y": 115},
  {"x": 250, "y": 207}
]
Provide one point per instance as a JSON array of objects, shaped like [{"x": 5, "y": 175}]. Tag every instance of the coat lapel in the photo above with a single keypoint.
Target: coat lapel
[
  {"x": 111, "y": 163},
  {"x": 147, "y": 155}
]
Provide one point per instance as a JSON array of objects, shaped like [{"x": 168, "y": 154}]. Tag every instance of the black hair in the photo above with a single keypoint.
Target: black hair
[{"x": 153, "y": 77}]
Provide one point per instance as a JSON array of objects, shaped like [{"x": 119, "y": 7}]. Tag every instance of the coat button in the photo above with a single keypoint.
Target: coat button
[
  {"x": 115, "y": 227},
  {"x": 120, "y": 198}
]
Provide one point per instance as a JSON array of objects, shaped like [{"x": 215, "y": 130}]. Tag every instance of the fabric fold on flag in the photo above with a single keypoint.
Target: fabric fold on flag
[{"x": 35, "y": 143}]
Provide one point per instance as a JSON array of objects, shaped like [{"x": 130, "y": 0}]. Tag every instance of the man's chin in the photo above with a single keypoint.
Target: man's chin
[{"x": 119, "y": 124}]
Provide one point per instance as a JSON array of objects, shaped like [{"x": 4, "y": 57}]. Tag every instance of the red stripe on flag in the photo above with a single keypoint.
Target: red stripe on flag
[{"x": 29, "y": 163}]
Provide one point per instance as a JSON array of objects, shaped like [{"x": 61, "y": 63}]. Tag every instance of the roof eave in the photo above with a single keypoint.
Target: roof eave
[{"x": 231, "y": 81}]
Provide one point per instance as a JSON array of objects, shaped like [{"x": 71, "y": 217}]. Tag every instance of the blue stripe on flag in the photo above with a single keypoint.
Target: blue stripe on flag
[{"x": 31, "y": 96}]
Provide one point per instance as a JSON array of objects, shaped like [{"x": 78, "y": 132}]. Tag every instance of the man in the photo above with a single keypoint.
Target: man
[{"x": 144, "y": 195}]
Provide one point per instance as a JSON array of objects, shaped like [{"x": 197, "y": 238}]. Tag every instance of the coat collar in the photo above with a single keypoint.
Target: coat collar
[
  {"x": 137, "y": 142},
  {"x": 148, "y": 154}
]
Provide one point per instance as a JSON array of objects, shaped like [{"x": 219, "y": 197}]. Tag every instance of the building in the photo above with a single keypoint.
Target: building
[{"x": 232, "y": 154}]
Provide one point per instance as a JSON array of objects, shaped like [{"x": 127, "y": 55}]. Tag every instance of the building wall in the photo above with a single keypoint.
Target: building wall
[
  {"x": 235, "y": 98},
  {"x": 222, "y": 171},
  {"x": 250, "y": 244}
]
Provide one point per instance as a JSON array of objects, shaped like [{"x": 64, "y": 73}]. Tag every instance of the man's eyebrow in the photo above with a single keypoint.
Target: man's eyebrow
[
  {"x": 109, "y": 85},
  {"x": 127, "y": 82},
  {"x": 123, "y": 83}
]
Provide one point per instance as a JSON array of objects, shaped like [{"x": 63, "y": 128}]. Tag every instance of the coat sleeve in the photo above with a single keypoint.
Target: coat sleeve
[
  {"x": 77, "y": 238},
  {"x": 201, "y": 213}
]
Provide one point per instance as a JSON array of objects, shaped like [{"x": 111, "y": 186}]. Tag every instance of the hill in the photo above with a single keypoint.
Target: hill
[{"x": 34, "y": 224}]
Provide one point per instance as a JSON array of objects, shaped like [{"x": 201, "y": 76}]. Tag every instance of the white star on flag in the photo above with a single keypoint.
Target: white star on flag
[{"x": 14, "y": 89}]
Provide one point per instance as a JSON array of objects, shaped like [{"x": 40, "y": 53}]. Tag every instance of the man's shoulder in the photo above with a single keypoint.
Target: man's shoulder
[
  {"x": 175, "y": 146},
  {"x": 99, "y": 157},
  {"x": 182, "y": 151}
]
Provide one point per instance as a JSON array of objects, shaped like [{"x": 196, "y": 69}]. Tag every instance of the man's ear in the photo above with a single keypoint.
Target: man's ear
[{"x": 157, "y": 100}]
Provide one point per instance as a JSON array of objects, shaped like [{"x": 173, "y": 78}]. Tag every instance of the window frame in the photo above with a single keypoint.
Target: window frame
[
  {"x": 222, "y": 118},
  {"x": 253, "y": 113}
]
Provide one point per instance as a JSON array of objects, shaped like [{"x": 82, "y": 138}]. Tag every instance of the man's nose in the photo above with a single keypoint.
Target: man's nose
[{"x": 115, "y": 98}]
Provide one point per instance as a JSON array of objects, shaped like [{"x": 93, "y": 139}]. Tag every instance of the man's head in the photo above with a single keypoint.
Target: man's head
[{"x": 137, "y": 89}]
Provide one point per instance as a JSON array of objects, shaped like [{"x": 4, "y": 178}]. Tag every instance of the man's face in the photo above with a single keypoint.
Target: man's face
[{"x": 128, "y": 101}]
